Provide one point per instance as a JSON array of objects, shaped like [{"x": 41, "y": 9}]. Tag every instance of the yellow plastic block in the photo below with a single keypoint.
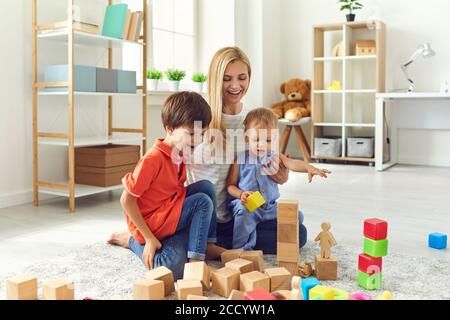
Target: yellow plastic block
[
  {"x": 340, "y": 294},
  {"x": 385, "y": 296},
  {"x": 255, "y": 201},
  {"x": 326, "y": 293}
]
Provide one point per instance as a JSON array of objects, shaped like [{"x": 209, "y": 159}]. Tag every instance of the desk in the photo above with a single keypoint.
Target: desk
[{"x": 380, "y": 141}]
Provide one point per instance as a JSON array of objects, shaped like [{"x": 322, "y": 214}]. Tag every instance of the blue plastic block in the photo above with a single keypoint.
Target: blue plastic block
[
  {"x": 308, "y": 284},
  {"x": 84, "y": 77},
  {"x": 126, "y": 81},
  {"x": 437, "y": 240}
]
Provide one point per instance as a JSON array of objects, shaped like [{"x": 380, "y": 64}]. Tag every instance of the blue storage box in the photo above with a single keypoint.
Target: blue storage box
[
  {"x": 84, "y": 77},
  {"x": 126, "y": 81},
  {"x": 107, "y": 80}
]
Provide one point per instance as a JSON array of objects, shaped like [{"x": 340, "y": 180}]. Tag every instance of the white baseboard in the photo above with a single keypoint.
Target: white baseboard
[
  {"x": 424, "y": 160},
  {"x": 19, "y": 198}
]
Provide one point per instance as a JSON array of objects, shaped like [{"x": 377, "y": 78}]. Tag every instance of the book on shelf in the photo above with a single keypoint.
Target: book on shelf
[
  {"x": 135, "y": 26},
  {"x": 115, "y": 20},
  {"x": 127, "y": 25}
]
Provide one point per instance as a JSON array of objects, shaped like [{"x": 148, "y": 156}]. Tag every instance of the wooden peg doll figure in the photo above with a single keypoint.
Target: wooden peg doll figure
[{"x": 326, "y": 240}]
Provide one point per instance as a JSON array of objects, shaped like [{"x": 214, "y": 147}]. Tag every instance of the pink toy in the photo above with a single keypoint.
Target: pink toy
[{"x": 360, "y": 296}]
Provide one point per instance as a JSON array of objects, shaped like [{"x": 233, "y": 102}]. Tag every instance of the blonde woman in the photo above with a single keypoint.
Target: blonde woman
[{"x": 228, "y": 81}]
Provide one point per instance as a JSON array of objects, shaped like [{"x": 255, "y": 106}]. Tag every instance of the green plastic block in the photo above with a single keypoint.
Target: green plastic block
[
  {"x": 376, "y": 248},
  {"x": 369, "y": 282}
]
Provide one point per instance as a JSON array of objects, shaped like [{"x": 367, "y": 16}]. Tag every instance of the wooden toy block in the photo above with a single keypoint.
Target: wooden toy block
[
  {"x": 256, "y": 256},
  {"x": 288, "y": 252},
  {"x": 369, "y": 282},
  {"x": 224, "y": 281},
  {"x": 186, "y": 287},
  {"x": 254, "y": 280},
  {"x": 287, "y": 212},
  {"x": 437, "y": 240},
  {"x": 326, "y": 269},
  {"x": 308, "y": 284},
  {"x": 375, "y": 229},
  {"x": 241, "y": 265},
  {"x": 306, "y": 269},
  {"x": 292, "y": 267},
  {"x": 376, "y": 248},
  {"x": 236, "y": 295},
  {"x": 58, "y": 289},
  {"x": 197, "y": 271},
  {"x": 259, "y": 294},
  {"x": 255, "y": 201},
  {"x": 280, "y": 279},
  {"x": 287, "y": 233},
  {"x": 282, "y": 294},
  {"x": 165, "y": 275},
  {"x": 365, "y": 47},
  {"x": 369, "y": 264},
  {"x": 340, "y": 294},
  {"x": 148, "y": 290},
  {"x": 296, "y": 292},
  {"x": 22, "y": 287},
  {"x": 326, "y": 293},
  {"x": 326, "y": 240},
  {"x": 195, "y": 297},
  {"x": 230, "y": 255}
]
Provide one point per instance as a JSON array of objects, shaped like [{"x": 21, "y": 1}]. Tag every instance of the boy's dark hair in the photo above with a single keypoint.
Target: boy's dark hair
[{"x": 182, "y": 109}]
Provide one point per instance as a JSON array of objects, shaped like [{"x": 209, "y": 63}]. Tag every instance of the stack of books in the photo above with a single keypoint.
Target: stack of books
[{"x": 121, "y": 23}]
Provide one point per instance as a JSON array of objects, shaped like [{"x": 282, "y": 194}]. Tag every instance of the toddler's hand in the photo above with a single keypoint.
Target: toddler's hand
[
  {"x": 313, "y": 171},
  {"x": 245, "y": 195}
]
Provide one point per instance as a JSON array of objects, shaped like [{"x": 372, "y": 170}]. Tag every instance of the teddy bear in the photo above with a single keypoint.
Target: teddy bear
[{"x": 298, "y": 100}]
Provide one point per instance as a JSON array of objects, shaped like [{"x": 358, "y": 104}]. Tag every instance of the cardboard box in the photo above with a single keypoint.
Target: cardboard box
[
  {"x": 107, "y": 156},
  {"x": 101, "y": 177}
]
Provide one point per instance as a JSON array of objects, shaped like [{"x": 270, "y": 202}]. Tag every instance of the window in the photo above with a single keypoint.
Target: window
[{"x": 172, "y": 36}]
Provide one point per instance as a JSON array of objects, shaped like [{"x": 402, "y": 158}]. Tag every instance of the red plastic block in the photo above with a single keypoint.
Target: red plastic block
[
  {"x": 259, "y": 294},
  {"x": 369, "y": 265},
  {"x": 375, "y": 229}
]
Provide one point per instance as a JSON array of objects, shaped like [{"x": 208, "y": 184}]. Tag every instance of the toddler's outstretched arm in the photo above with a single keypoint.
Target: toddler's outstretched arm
[{"x": 301, "y": 166}]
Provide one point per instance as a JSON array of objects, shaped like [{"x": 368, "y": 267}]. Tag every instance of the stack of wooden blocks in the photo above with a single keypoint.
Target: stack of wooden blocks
[
  {"x": 288, "y": 252},
  {"x": 375, "y": 247},
  {"x": 25, "y": 287}
]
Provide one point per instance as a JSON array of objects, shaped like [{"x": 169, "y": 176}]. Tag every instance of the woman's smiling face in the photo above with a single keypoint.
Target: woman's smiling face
[{"x": 235, "y": 82}]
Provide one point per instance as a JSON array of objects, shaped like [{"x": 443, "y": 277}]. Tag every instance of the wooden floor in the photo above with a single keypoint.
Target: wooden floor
[{"x": 414, "y": 200}]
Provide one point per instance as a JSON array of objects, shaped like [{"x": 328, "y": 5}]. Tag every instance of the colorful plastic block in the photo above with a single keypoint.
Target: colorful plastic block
[
  {"x": 437, "y": 240},
  {"x": 259, "y": 294},
  {"x": 375, "y": 229},
  {"x": 317, "y": 298},
  {"x": 376, "y": 248},
  {"x": 308, "y": 284},
  {"x": 255, "y": 201},
  {"x": 360, "y": 296},
  {"x": 340, "y": 294},
  {"x": 369, "y": 264},
  {"x": 387, "y": 295},
  {"x": 369, "y": 282},
  {"x": 326, "y": 293}
]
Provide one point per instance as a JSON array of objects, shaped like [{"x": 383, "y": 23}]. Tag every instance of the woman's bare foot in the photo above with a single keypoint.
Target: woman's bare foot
[
  {"x": 213, "y": 251},
  {"x": 120, "y": 239}
]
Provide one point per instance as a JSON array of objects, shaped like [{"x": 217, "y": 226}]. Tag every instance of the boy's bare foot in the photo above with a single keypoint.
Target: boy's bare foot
[
  {"x": 120, "y": 239},
  {"x": 213, "y": 251}
]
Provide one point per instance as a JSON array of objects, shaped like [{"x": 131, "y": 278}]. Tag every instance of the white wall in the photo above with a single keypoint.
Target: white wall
[{"x": 409, "y": 23}]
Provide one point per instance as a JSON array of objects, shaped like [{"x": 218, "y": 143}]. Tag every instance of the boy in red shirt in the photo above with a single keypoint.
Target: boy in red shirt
[{"x": 165, "y": 219}]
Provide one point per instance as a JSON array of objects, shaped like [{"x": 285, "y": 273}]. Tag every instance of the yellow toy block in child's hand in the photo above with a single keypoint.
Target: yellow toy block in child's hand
[{"x": 255, "y": 201}]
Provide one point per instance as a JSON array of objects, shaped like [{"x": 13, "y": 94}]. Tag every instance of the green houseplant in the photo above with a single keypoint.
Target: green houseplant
[
  {"x": 199, "y": 80},
  {"x": 153, "y": 78},
  {"x": 175, "y": 76},
  {"x": 350, "y": 6}
]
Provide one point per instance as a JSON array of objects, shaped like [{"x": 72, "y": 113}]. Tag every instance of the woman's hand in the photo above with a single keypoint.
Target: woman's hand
[
  {"x": 277, "y": 170},
  {"x": 151, "y": 246},
  {"x": 244, "y": 196},
  {"x": 313, "y": 171}
]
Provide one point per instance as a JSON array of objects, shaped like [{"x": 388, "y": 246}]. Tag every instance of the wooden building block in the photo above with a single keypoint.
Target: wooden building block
[
  {"x": 58, "y": 289},
  {"x": 375, "y": 229},
  {"x": 325, "y": 293},
  {"x": 197, "y": 271},
  {"x": 241, "y": 265},
  {"x": 236, "y": 295},
  {"x": 253, "y": 280},
  {"x": 365, "y": 47},
  {"x": 282, "y": 294},
  {"x": 287, "y": 211},
  {"x": 259, "y": 294},
  {"x": 326, "y": 269},
  {"x": 288, "y": 232},
  {"x": 296, "y": 293},
  {"x": 164, "y": 274},
  {"x": 148, "y": 289},
  {"x": 224, "y": 281},
  {"x": 186, "y": 287},
  {"x": 288, "y": 252},
  {"x": 195, "y": 297},
  {"x": 292, "y": 267},
  {"x": 22, "y": 287},
  {"x": 257, "y": 257},
  {"x": 280, "y": 279},
  {"x": 230, "y": 255}
]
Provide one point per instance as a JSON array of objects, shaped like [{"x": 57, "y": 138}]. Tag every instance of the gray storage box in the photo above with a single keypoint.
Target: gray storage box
[
  {"x": 107, "y": 80},
  {"x": 126, "y": 81},
  {"x": 84, "y": 77},
  {"x": 362, "y": 147},
  {"x": 328, "y": 147}
]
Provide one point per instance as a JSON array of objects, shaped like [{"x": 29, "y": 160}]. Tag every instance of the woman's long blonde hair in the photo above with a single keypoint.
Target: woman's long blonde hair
[{"x": 219, "y": 63}]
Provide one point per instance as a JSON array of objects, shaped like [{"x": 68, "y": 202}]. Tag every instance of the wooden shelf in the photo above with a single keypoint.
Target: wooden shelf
[
  {"x": 360, "y": 125},
  {"x": 327, "y": 91},
  {"x": 341, "y": 59},
  {"x": 98, "y": 94},
  {"x": 370, "y": 160},
  {"x": 80, "y": 190},
  {"x": 90, "y": 141},
  {"x": 324, "y": 124}
]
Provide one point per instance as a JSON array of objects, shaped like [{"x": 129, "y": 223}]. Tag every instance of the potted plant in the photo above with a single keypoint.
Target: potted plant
[
  {"x": 175, "y": 76},
  {"x": 153, "y": 76},
  {"x": 350, "y": 6},
  {"x": 199, "y": 80}
]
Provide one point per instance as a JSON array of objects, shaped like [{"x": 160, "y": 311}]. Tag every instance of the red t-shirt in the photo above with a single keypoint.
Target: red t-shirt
[{"x": 158, "y": 184}]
